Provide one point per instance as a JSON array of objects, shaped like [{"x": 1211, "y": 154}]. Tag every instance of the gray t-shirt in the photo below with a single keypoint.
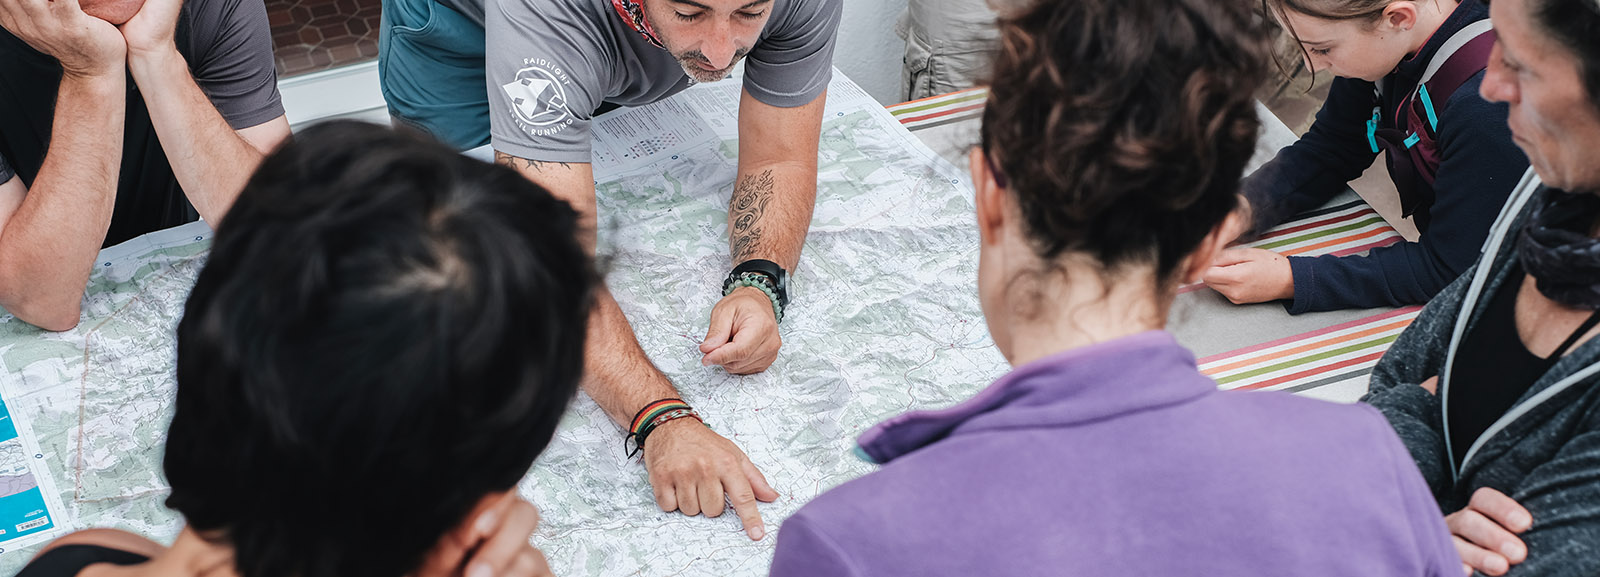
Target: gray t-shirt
[{"x": 551, "y": 63}]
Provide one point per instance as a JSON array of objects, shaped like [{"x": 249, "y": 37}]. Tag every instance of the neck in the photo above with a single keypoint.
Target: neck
[
  {"x": 1076, "y": 308},
  {"x": 1430, "y": 16},
  {"x": 191, "y": 556}
]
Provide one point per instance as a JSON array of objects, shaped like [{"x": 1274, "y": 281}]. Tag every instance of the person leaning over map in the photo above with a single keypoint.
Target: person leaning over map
[
  {"x": 380, "y": 344},
  {"x": 551, "y": 65},
  {"x": 84, "y": 152}
]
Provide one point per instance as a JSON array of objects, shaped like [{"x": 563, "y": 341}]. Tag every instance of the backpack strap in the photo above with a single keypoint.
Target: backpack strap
[
  {"x": 1461, "y": 57},
  {"x": 1414, "y": 156}
]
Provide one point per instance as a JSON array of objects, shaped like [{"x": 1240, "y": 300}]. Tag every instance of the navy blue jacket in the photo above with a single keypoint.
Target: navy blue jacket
[{"x": 1479, "y": 165}]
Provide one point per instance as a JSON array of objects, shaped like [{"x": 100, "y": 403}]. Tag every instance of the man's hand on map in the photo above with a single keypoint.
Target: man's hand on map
[
  {"x": 1486, "y": 532},
  {"x": 693, "y": 470},
  {"x": 743, "y": 336},
  {"x": 86, "y": 47},
  {"x": 492, "y": 542},
  {"x": 1251, "y": 275}
]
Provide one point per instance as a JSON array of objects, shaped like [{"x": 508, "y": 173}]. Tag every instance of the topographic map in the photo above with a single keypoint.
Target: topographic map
[
  {"x": 884, "y": 319},
  {"x": 96, "y": 399}
]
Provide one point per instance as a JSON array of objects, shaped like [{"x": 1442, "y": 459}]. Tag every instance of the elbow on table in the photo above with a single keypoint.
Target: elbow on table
[{"x": 48, "y": 312}]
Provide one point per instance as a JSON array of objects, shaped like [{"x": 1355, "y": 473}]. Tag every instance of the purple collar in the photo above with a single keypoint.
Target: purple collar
[{"x": 1134, "y": 373}]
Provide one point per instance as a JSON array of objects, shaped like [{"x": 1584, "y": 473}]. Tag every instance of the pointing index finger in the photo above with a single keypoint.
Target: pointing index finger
[{"x": 743, "y": 498}]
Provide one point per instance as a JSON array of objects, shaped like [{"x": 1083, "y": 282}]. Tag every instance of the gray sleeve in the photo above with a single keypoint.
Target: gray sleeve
[
  {"x": 1413, "y": 412},
  {"x": 6, "y": 173},
  {"x": 233, "y": 62},
  {"x": 792, "y": 66},
  {"x": 545, "y": 77}
]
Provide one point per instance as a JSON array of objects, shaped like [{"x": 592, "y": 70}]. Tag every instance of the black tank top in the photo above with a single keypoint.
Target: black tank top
[
  {"x": 69, "y": 560},
  {"x": 1493, "y": 368},
  {"x": 148, "y": 195}
]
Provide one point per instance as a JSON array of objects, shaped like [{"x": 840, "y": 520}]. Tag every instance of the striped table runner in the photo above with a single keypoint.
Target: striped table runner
[
  {"x": 1327, "y": 356},
  {"x": 940, "y": 110},
  {"x": 1315, "y": 359}
]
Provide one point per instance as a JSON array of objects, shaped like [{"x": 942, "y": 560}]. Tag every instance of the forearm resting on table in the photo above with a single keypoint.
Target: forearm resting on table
[
  {"x": 211, "y": 161},
  {"x": 51, "y": 233}
]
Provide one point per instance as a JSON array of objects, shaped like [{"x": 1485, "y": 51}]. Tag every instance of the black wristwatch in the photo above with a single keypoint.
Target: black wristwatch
[{"x": 778, "y": 276}]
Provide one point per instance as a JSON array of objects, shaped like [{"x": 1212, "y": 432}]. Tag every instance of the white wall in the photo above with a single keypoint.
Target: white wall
[{"x": 869, "y": 51}]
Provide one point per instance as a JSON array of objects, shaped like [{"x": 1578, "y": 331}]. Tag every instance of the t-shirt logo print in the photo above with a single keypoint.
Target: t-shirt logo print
[{"x": 537, "y": 97}]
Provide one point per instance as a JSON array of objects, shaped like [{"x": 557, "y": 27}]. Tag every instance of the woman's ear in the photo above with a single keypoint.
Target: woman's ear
[
  {"x": 989, "y": 197},
  {"x": 1401, "y": 15}
]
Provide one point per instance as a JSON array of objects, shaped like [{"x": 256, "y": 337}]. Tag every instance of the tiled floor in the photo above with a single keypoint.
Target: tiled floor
[{"x": 312, "y": 35}]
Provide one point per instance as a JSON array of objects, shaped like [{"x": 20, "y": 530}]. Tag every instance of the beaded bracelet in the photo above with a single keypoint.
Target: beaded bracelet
[{"x": 759, "y": 282}]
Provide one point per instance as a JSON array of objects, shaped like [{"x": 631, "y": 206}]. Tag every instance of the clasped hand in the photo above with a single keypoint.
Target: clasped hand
[
  {"x": 90, "y": 46},
  {"x": 743, "y": 336}
]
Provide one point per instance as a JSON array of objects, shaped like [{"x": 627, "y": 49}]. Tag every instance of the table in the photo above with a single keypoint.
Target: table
[
  {"x": 863, "y": 344},
  {"x": 1325, "y": 355}
]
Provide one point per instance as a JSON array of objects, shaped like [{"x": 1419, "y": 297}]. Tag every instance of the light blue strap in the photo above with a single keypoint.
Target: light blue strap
[
  {"x": 1427, "y": 104},
  {"x": 861, "y": 453},
  {"x": 1413, "y": 140},
  {"x": 1372, "y": 130}
]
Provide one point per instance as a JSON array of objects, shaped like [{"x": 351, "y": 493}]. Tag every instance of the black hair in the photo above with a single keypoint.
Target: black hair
[
  {"x": 385, "y": 333},
  {"x": 1123, "y": 126}
]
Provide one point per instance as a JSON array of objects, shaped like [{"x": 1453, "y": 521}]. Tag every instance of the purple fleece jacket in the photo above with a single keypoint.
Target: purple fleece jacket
[{"x": 1122, "y": 459}]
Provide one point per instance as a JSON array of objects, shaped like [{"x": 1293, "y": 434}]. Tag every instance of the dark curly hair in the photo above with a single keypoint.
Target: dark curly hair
[
  {"x": 386, "y": 332},
  {"x": 1122, "y": 127}
]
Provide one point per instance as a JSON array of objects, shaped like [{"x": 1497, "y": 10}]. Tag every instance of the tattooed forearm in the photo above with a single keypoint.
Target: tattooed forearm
[
  {"x": 514, "y": 162},
  {"x": 745, "y": 212}
]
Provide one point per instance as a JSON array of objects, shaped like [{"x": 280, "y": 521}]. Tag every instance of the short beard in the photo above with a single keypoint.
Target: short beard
[{"x": 689, "y": 60}]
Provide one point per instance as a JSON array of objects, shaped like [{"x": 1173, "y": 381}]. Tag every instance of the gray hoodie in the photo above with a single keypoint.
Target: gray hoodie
[{"x": 1544, "y": 452}]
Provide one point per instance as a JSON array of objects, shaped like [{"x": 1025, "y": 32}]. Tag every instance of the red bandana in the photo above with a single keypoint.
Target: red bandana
[{"x": 632, "y": 13}]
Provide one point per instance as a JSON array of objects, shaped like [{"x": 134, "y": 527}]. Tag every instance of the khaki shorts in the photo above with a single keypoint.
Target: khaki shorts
[{"x": 948, "y": 45}]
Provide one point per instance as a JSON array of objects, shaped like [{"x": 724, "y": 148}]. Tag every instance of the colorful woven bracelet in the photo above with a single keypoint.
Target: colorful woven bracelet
[
  {"x": 639, "y": 438},
  {"x": 759, "y": 282},
  {"x": 644, "y": 415},
  {"x": 652, "y": 416}
]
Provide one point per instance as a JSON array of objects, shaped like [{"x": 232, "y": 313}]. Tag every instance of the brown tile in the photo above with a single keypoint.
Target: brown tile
[
  {"x": 343, "y": 54},
  {"x": 312, "y": 35},
  {"x": 279, "y": 17},
  {"x": 340, "y": 42},
  {"x": 319, "y": 10},
  {"x": 333, "y": 30}
]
